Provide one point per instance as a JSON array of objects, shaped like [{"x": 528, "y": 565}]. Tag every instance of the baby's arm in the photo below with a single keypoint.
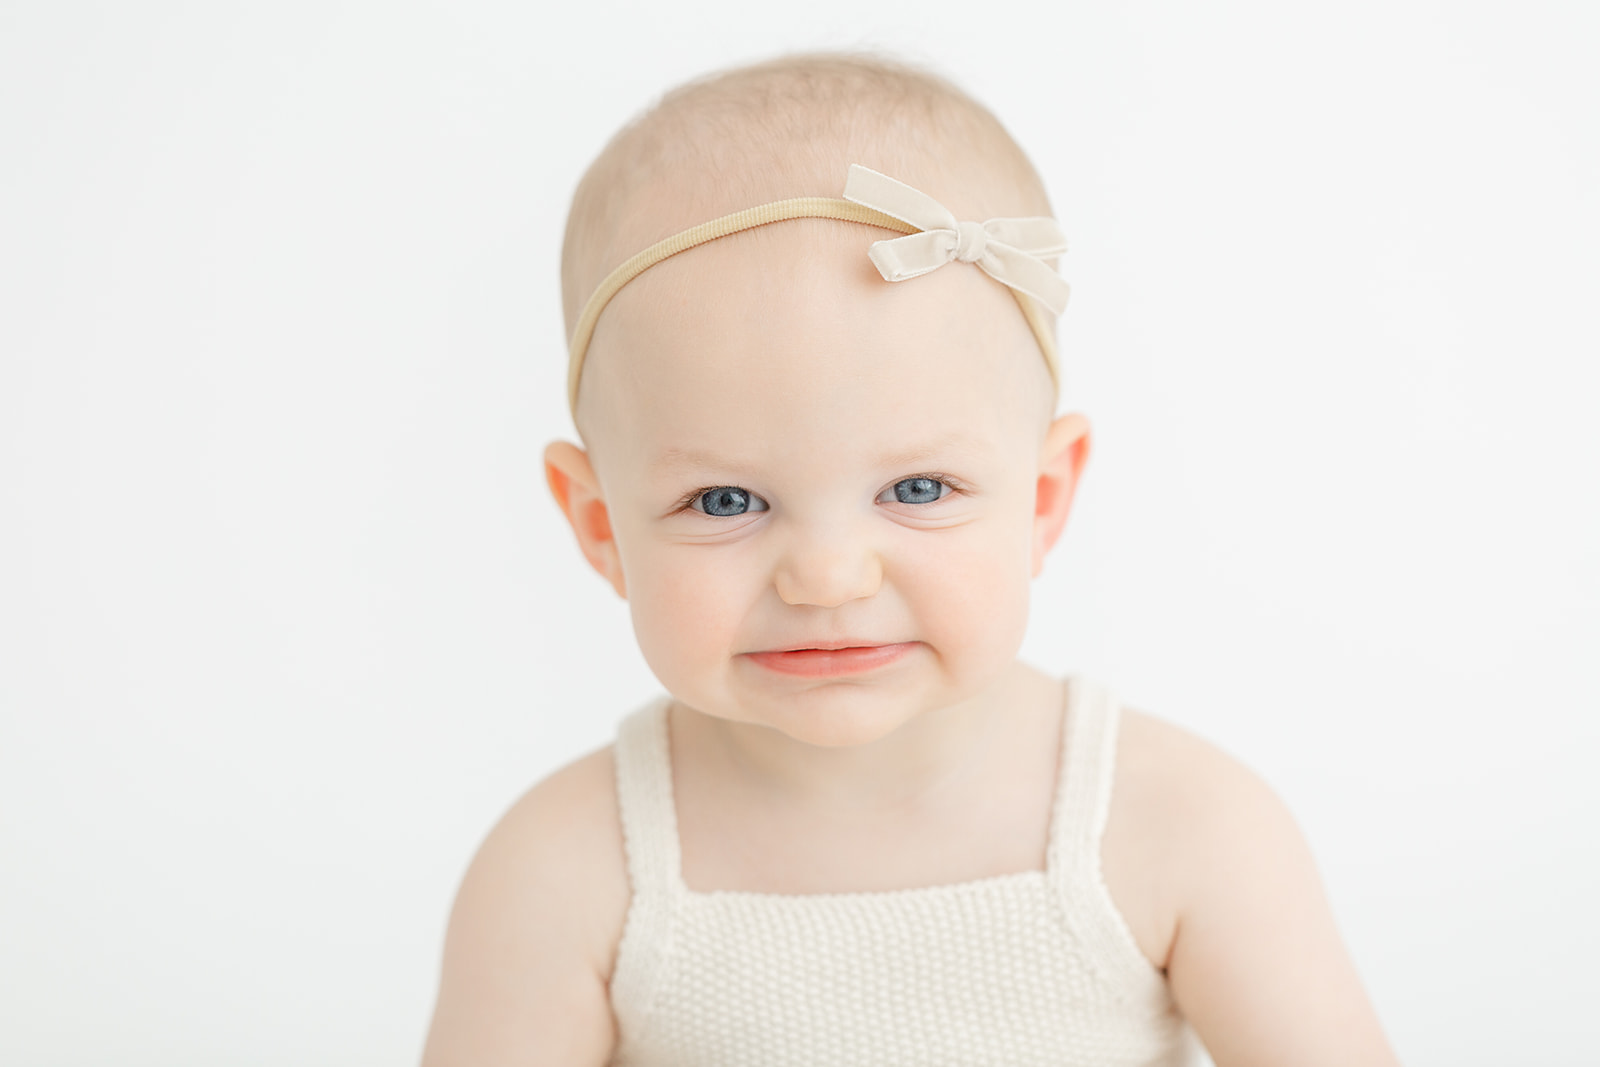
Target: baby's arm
[
  {"x": 529, "y": 948},
  {"x": 1254, "y": 958}
]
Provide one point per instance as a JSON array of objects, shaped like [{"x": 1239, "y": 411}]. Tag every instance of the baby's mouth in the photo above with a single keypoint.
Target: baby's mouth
[{"x": 831, "y": 659}]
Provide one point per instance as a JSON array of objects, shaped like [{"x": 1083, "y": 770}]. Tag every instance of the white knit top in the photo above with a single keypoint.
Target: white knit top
[{"x": 1036, "y": 967}]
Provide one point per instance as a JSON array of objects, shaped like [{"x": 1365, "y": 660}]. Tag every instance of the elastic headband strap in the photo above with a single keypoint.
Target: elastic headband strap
[{"x": 808, "y": 207}]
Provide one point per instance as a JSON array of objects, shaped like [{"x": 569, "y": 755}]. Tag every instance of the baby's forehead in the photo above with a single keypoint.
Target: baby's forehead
[
  {"x": 712, "y": 444},
  {"x": 788, "y": 338}
]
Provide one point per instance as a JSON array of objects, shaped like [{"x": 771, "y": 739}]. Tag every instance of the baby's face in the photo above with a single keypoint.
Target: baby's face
[{"x": 821, "y": 485}]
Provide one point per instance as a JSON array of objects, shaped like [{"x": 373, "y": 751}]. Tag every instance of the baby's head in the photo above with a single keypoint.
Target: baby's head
[{"x": 823, "y": 495}]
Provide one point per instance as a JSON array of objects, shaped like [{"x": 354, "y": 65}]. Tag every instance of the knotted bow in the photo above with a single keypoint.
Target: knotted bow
[{"x": 1010, "y": 251}]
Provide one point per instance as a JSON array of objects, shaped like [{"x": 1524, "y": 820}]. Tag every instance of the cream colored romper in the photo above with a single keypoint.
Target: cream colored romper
[{"x": 1036, "y": 967}]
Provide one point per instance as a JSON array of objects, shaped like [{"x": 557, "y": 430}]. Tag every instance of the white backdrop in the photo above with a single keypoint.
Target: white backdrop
[{"x": 287, "y": 618}]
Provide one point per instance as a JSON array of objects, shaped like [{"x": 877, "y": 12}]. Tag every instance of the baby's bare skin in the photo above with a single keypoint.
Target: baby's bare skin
[{"x": 779, "y": 363}]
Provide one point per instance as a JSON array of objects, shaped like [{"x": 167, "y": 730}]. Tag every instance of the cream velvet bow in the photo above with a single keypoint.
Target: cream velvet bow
[{"x": 1011, "y": 251}]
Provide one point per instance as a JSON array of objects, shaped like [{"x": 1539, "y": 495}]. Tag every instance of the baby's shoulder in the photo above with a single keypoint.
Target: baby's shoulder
[
  {"x": 1178, "y": 803},
  {"x": 1221, "y": 891},
  {"x": 533, "y": 935},
  {"x": 1185, "y": 788},
  {"x": 1161, "y": 763},
  {"x": 560, "y": 843}
]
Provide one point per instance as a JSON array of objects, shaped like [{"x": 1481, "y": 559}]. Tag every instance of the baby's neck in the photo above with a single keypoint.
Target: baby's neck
[{"x": 933, "y": 755}]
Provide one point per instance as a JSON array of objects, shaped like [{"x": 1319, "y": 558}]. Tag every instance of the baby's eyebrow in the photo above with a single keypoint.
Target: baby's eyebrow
[
  {"x": 955, "y": 443},
  {"x": 675, "y": 460},
  {"x": 672, "y": 460}
]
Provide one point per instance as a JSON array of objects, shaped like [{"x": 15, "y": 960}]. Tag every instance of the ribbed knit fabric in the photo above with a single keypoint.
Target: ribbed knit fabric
[{"x": 1036, "y": 967}]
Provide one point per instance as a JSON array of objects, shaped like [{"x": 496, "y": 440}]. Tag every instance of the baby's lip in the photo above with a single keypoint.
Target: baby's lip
[
  {"x": 833, "y": 645},
  {"x": 831, "y": 658}
]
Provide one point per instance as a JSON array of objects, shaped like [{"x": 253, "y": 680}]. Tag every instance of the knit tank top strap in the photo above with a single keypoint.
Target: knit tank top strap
[
  {"x": 650, "y": 840},
  {"x": 1077, "y": 826}
]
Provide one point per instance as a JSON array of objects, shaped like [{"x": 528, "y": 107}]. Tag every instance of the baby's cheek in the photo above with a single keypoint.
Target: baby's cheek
[
  {"x": 680, "y": 610},
  {"x": 974, "y": 593}
]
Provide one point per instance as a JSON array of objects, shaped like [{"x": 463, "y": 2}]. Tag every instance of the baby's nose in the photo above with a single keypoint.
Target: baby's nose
[{"x": 825, "y": 570}]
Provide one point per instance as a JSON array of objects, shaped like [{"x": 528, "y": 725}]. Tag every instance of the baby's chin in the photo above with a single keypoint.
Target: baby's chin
[
  {"x": 834, "y": 729},
  {"x": 837, "y": 714},
  {"x": 841, "y": 727}
]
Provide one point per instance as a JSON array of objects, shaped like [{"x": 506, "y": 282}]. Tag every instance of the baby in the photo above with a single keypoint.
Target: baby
[{"x": 822, "y": 464}]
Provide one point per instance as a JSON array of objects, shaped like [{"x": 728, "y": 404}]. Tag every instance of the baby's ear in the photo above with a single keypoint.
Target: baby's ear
[
  {"x": 573, "y": 483},
  {"x": 1061, "y": 461}
]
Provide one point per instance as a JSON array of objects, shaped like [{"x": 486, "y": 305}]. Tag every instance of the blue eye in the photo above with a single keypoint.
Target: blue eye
[
  {"x": 727, "y": 501},
  {"x": 922, "y": 490}
]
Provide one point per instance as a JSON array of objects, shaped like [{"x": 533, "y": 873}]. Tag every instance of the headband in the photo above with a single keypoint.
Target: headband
[{"x": 1011, "y": 251}]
